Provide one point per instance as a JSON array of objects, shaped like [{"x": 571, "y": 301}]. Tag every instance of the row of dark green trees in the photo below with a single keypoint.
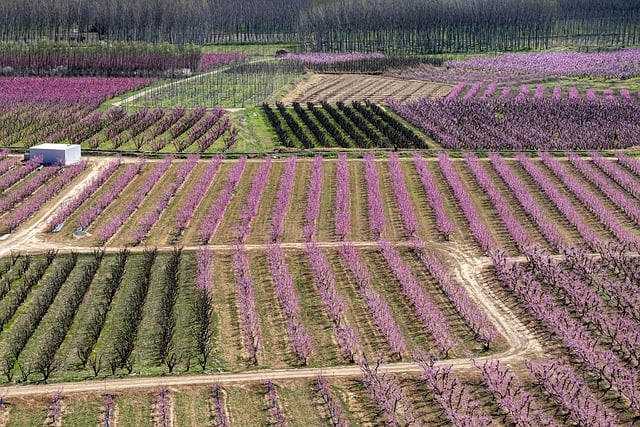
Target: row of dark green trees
[{"x": 411, "y": 26}]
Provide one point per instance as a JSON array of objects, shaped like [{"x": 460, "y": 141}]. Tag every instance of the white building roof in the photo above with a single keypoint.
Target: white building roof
[{"x": 56, "y": 147}]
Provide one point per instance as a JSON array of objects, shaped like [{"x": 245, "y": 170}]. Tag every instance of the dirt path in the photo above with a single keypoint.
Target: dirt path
[{"x": 25, "y": 239}]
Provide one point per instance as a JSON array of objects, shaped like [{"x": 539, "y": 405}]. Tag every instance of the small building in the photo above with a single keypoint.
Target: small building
[{"x": 56, "y": 154}]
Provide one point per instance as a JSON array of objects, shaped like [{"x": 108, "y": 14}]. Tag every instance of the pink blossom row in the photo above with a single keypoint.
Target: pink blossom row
[
  {"x": 30, "y": 206},
  {"x": 290, "y": 302},
  {"x": 249, "y": 323},
  {"x": 443, "y": 222},
  {"x": 113, "y": 191},
  {"x": 70, "y": 206},
  {"x": 283, "y": 199},
  {"x": 196, "y": 195},
  {"x": 217, "y": 209},
  {"x": 342, "y": 210},
  {"x": 242, "y": 228},
  {"x": 478, "y": 228},
  {"x": 377, "y": 221},
  {"x": 314, "y": 192}
]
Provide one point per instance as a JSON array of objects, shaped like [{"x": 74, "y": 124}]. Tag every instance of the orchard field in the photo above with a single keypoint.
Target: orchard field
[{"x": 284, "y": 240}]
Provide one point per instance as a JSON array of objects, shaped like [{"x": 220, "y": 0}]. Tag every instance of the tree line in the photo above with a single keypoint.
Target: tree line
[{"x": 417, "y": 26}]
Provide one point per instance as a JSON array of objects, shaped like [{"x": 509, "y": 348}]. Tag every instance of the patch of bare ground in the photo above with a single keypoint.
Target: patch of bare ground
[{"x": 359, "y": 87}]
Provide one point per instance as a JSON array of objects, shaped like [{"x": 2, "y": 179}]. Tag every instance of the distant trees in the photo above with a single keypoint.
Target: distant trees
[{"x": 344, "y": 25}]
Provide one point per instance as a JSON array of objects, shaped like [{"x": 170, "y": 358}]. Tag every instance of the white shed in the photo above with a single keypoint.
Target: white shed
[{"x": 56, "y": 154}]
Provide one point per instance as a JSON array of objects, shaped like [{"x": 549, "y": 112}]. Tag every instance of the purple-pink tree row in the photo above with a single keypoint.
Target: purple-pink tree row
[
  {"x": 7, "y": 163},
  {"x": 527, "y": 201},
  {"x": 27, "y": 188},
  {"x": 456, "y": 400},
  {"x": 630, "y": 163},
  {"x": 163, "y": 408},
  {"x": 274, "y": 405},
  {"x": 332, "y": 405},
  {"x": 587, "y": 304},
  {"x": 250, "y": 209},
  {"x": 55, "y": 406},
  {"x": 473, "y": 317},
  {"x": 342, "y": 210},
  {"x": 478, "y": 228},
  {"x": 113, "y": 191},
  {"x": 376, "y": 304},
  {"x": 425, "y": 309},
  {"x": 283, "y": 198},
  {"x": 588, "y": 199},
  {"x": 621, "y": 294},
  {"x": 508, "y": 218},
  {"x": 623, "y": 178},
  {"x": 114, "y": 224},
  {"x": 443, "y": 222},
  {"x": 603, "y": 363},
  {"x": 90, "y": 91},
  {"x": 146, "y": 223},
  {"x": 218, "y": 208},
  {"x": 559, "y": 200},
  {"x": 249, "y": 323},
  {"x": 290, "y": 302},
  {"x": 107, "y": 415},
  {"x": 571, "y": 393},
  {"x": 456, "y": 91},
  {"x": 16, "y": 174},
  {"x": 71, "y": 205},
  {"x": 334, "y": 305},
  {"x": 314, "y": 193},
  {"x": 609, "y": 65},
  {"x": 214, "y": 60},
  {"x": 385, "y": 390},
  {"x": 377, "y": 221},
  {"x": 204, "y": 280},
  {"x": 407, "y": 212},
  {"x": 31, "y": 205},
  {"x": 619, "y": 197},
  {"x": 195, "y": 196},
  {"x": 512, "y": 396},
  {"x": 220, "y": 412}
]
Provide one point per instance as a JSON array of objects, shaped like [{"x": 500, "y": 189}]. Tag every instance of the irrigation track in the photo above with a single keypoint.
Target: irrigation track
[{"x": 149, "y": 91}]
